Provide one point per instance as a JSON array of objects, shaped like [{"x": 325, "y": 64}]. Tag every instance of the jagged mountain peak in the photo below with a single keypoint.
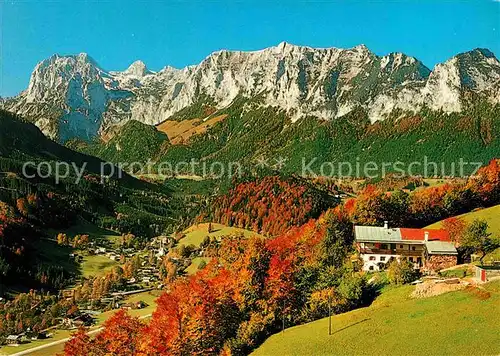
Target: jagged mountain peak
[
  {"x": 476, "y": 70},
  {"x": 361, "y": 48},
  {"x": 477, "y": 53},
  {"x": 72, "y": 96},
  {"x": 55, "y": 73},
  {"x": 477, "y": 57},
  {"x": 72, "y": 59},
  {"x": 84, "y": 57},
  {"x": 282, "y": 45},
  {"x": 138, "y": 69}
]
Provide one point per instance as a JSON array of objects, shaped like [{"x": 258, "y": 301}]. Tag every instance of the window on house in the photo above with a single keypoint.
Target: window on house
[
  {"x": 393, "y": 246},
  {"x": 370, "y": 268},
  {"x": 400, "y": 246},
  {"x": 383, "y": 247},
  {"x": 373, "y": 258},
  {"x": 419, "y": 260},
  {"x": 382, "y": 258},
  {"x": 410, "y": 258},
  {"x": 413, "y": 248}
]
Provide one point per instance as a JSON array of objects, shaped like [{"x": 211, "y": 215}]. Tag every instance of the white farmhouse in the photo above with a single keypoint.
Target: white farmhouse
[{"x": 429, "y": 249}]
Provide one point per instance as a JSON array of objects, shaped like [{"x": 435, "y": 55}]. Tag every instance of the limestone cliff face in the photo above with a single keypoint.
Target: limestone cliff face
[{"x": 71, "y": 96}]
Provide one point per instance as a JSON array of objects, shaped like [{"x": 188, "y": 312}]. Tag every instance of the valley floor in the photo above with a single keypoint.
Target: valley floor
[
  {"x": 456, "y": 323},
  {"x": 55, "y": 344}
]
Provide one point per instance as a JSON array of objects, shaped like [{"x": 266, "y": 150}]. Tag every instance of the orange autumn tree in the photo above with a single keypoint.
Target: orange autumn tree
[
  {"x": 165, "y": 333},
  {"x": 368, "y": 207},
  {"x": 250, "y": 258},
  {"x": 79, "y": 344},
  {"x": 196, "y": 316},
  {"x": 456, "y": 227},
  {"x": 22, "y": 206},
  {"x": 62, "y": 239},
  {"x": 120, "y": 335},
  {"x": 486, "y": 182}
]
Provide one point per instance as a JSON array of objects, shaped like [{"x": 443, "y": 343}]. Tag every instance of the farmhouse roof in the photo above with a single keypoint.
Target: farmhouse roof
[
  {"x": 438, "y": 240},
  {"x": 440, "y": 248},
  {"x": 376, "y": 234},
  {"x": 419, "y": 234}
]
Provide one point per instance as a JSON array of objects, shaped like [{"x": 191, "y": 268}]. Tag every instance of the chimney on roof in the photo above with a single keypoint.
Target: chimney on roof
[
  {"x": 426, "y": 236},
  {"x": 386, "y": 224}
]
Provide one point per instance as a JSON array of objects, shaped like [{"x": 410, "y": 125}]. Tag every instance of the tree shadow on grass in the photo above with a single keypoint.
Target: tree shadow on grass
[{"x": 350, "y": 326}]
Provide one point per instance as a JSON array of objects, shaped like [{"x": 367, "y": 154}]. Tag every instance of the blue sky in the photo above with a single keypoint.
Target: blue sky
[{"x": 180, "y": 33}]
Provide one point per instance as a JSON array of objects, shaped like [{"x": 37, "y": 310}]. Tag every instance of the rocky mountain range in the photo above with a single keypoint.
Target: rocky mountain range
[{"x": 73, "y": 97}]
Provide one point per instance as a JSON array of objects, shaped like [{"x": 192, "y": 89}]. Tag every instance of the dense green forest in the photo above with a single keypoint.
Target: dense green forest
[{"x": 252, "y": 133}]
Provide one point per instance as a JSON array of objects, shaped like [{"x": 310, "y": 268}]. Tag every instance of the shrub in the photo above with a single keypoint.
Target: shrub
[
  {"x": 401, "y": 272},
  {"x": 319, "y": 303},
  {"x": 202, "y": 264},
  {"x": 353, "y": 289}
]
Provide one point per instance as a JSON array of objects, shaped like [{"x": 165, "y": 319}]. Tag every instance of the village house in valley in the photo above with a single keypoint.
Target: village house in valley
[{"x": 427, "y": 249}]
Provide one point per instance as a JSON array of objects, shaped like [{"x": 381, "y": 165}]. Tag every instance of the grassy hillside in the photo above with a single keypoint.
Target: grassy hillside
[
  {"x": 181, "y": 131},
  {"x": 490, "y": 215},
  {"x": 196, "y": 233},
  {"x": 21, "y": 141},
  {"x": 194, "y": 266},
  {"x": 456, "y": 323},
  {"x": 91, "y": 265},
  {"x": 133, "y": 142}
]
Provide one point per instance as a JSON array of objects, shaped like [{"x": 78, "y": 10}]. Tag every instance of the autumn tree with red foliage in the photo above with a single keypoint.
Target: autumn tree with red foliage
[
  {"x": 196, "y": 316},
  {"x": 80, "y": 344},
  {"x": 486, "y": 183},
  {"x": 120, "y": 335},
  {"x": 456, "y": 227}
]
